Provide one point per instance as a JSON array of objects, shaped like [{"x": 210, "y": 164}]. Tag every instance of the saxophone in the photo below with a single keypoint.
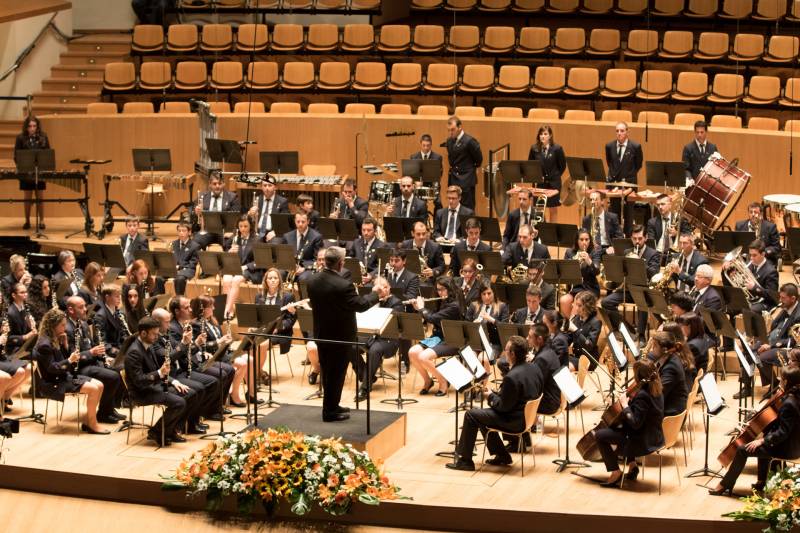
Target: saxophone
[{"x": 756, "y": 226}]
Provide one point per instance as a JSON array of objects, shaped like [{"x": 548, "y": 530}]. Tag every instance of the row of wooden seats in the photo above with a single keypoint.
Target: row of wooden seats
[
  {"x": 584, "y": 82},
  {"x": 288, "y": 5},
  {"x": 639, "y": 44},
  {"x": 759, "y": 10},
  {"x": 536, "y": 114}
]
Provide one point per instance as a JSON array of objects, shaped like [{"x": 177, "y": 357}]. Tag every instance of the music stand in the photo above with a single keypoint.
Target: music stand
[
  {"x": 733, "y": 298},
  {"x": 224, "y": 151},
  {"x": 490, "y": 227},
  {"x": 337, "y": 229},
  {"x": 399, "y": 229},
  {"x": 107, "y": 255},
  {"x": 403, "y": 326},
  {"x": 506, "y": 330},
  {"x": 714, "y": 405},
  {"x": 279, "y": 162},
  {"x": 754, "y": 325},
  {"x": 792, "y": 241},
  {"x": 522, "y": 171},
  {"x": 665, "y": 173},
  {"x": 620, "y": 245},
  {"x": 40, "y": 160},
  {"x": 219, "y": 264},
  {"x": 147, "y": 257},
  {"x": 562, "y": 271},
  {"x": 151, "y": 160},
  {"x": 422, "y": 170},
  {"x": 574, "y": 395},
  {"x": 651, "y": 299},
  {"x": 718, "y": 322},
  {"x": 280, "y": 256},
  {"x": 725, "y": 241},
  {"x": 164, "y": 264},
  {"x": 558, "y": 235},
  {"x": 511, "y": 293},
  {"x": 282, "y": 223},
  {"x": 491, "y": 261},
  {"x": 220, "y": 222},
  {"x": 260, "y": 317}
]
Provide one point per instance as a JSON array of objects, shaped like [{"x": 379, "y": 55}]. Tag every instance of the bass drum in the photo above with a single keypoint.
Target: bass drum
[
  {"x": 714, "y": 195},
  {"x": 381, "y": 192}
]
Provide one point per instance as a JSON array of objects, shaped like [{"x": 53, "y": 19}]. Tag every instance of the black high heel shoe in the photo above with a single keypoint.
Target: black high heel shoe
[
  {"x": 721, "y": 491},
  {"x": 632, "y": 474},
  {"x": 617, "y": 483}
]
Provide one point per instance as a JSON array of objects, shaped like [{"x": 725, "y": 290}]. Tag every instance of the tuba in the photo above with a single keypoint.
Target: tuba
[{"x": 739, "y": 275}]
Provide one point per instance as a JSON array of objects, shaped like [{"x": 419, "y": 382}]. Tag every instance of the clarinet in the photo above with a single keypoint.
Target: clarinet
[
  {"x": 101, "y": 340},
  {"x": 53, "y": 297},
  {"x": 167, "y": 359},
  {"x": 188, "y": 327},
  {"x": 124, "y": 321},
  {"x": 77, "y": 339}
]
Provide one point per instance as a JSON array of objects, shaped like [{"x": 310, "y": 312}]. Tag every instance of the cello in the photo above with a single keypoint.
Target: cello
[{"x": 766, "y": 415}]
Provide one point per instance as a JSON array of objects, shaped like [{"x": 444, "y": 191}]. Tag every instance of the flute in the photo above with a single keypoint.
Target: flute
[{"x": 412, "y": 300}]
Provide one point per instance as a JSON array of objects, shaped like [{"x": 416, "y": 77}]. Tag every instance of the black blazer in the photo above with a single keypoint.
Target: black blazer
[
  {"x": 767, "y": 278},
  {"x": 782, "y": 437},
  {"x": 359, "y": 212},
  {"x": 628, "y": 168},
  {"x": 433, "y": 251},
  {"x": 586, "y": 337},
  {"x": 699, "y": 347},
  {"x": 408, "y": 282},
  {"x": 279, "y": 205},
  {"x": 312, "y": 244},
  {"x": 768, "y": 234},
  {"x": 500, "y": 315},
  {"x": 693, "y": 160},
  {"x": 553, "y": 164},
  {"x": 710, "y": 299},
  {"x": 114, "y": 332},
  {"x": 474, "y": 292},
  {"x": 522, "y": 383},
  {"x": 520, "y": 316},
  {"x": 643, "y": 420},
  {"x": 464, "y": 157},
  {"x": 287, "y": 319},
  {"x": 37, "y": 142},
  {"x": 548, "y": 295},
  {"x": 357, "y": 248},
  {"x": 779, "y": 330},
  {"x": 652, "y": 260},
  {"x": 245, "y": 252},
  {"x": 448, "y": 310},
  {"x": 687, "y": 276},
  {"x": 655, "y": 229},
  {"x": 141, "y": 369},
  {"x": 55, "y": 368},
  {"x": 512, "y": 225},
  {"x": 589, "y": 273},
  {"x": 419, "y": 208},
  {"x": 230, "y": 202},
  {"x": 560, "y": 344},
  {"x": 440, "y": 221},
  {"x": 8, "y": 281},
  {"x": 334, "y": 303},
  {"x": 140, "y": 243},
  {"x": 17, "y": 328},
  {"x": 548, "y": 362},
  {"x": 60, "y": 276},
  {"x": 432, "y": 155},
  {"x": 461, "y": 247},
  {"x": 514, "y": 254},
  {"x": 179, "y": 351},
  {"x": 673, "y": 382},
  {"x": 612, "y": 227},
  {"x": 186, "y": 257}
]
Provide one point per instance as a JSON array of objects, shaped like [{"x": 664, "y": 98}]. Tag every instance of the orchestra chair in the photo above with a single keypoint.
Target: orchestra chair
[
  {"x": 132, "y": 405},
  {"x": 782, "y": 49},
  {"x": 726, "y": 121},
  {"x": 137, "y": 107},
  {"x": 359, "y": 108},
  {"x": 507, "y": 112},
  {"x": 655, "y": 85},
  {"x": 147, "y": 38},
  {"x": 101, "y": 108},
  {"x": 769, "y": 11},
  {"x": 394, "y": 38},
  {"x": 216, "y": 38},
  {"x": 671, "y": 426},
  {"x": 395, "y": 109},
  {"x": 357, "y": 5},
  {"x": 726, "y": 89},
  {"x": 531, "y": 409},
  {"x": 562, "y": 7},
  {"x": 712, "y": 46},
  {"x": 287, "y": 38},
  {"x": 459, "y": 5},
  {"x": 668, "y": 8},
  {"x": 763, "y": 123},
  {"x": 700, "y": 8},
  {"x": 182, "y": 38},
  {"x": 616, "y": 115},
  {"x": 59, "y": 413},
  {"x": 513, "y": 79},
  {"x": 405, "y": 77},
  {"x": 174, "y": 107},
  {"x": 441, "y": 77},
  {"x": 334, "y": 76},
  {"x": 436, "y": 110},
  {"x": 687, "y": 119},
  {"x": 736, "y": 9},
  {"x": 791, "y": 93},
  {"x": 528, "y": 6},
  {"x": 542, "y": 114},
  {"x": 579, "y": 114},
  {"x": 119, "y": 77},
  {"x": 497, "y": 39},
  {"x": 688, "y": 425},
  {"x": 426, "y": 5},
  {"x": 549, "y": 80},
  {"x": 219, "y": 107},
  {"x": 631, "y": 7},
  {"x": 369, "y": 76},
  {"x": 556, "y": 418},
  {"x": 470, "y": 111},
  {"x": 466, "y": 39},
  {"x": 298, "y": 75},
  {"x": 331, "y": 4},
  {"x": 533, "y": 41},
  {"x": 619, "y": 83},
  {"x": 653, "y": 117},
  {"x": 322, "y": 38},
  {"x": 747, "y": 47},
  {"x": 262, "y": 75},
  {"x": 597, "y": 7},
  {"x": 494, "y": 5},
  {"x": 477, "y": 79},
  {"x": 322, "y": 108},
  {"x": 155, "y": 76},
  {"x": 691, "y": 87}
]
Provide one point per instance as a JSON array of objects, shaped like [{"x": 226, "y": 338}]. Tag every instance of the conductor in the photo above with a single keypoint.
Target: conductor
[{"x": 335, "y": 302}]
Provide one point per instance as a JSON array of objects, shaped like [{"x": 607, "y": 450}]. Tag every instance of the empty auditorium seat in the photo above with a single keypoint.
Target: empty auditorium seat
[
  {"x": 174, "y": 107},
  {"x": 700, "y": 8},
  {"x": 655, "y": 85},
  {"x": 249, "y": 107},
  {"x": 676, "y": 45},
  {"x": 549, "y": 80},
  {"x": 322, "y": 38},
  {"x": 119, "y": 77},
  {"x": 582, "y": 81},
  {"x": 763, "y": 90},
  {"x": 137, "y": 107},
  {"x": 428, "y": 39},
  {"x": 464, "y": 39},
  {"x": 216, "y": 38},
  {"x": 735, "y": 9},
  {"x": 578, "y": 114},
  {"x": 297, "y": 75},
  {"x": 297, "y": 4},
  {"x": 763, "y": 123},
  {"x": 147, "y": 38},
  {"x": 533, "y": 41},
  {"x": 597, "y": 7},
  {"x": 619, "y": 83},
  {"x": 370, "y": 76},
  {"x": 769, "y": 10},
  {"x": 507, "y": 112},
  {"x": 359, "y": 109},
  {"x": 363, "y": 5},
  {"x": 426, "y": 5},
  {"x": 442, "y": 77},
  {"x": 747, "y": 47},
  {"x": 687, "y": 119},
  {"x": 691, "y": 86},
  {"x": 182, "y": 38},
  {"x": 436, "y": 110},
  {"x": 252, "y": 37},
  {"x": 394, "y": 38},
  {"x": 527, "y": 6},
  {"x": 322, "y": 108},
  {"x": 791, "y": 93},
  {"x": 477, "y": 79},
  {"x": 395, "y": 109},
  {"x": 262, "y": 75},
  {"x": 285, "y": 107},
  {"x": 287, "y": 37},
  {"x": 653, "y": 117},
  {"x": 101, "y": 108},
  {"x": 498, "y": 40},
  {"x": 191, "y": 76},
  {"x": 562, "y": 6},
  {"x": 469, "y": 111},
  {"x": 569, "y": 41},
  {"x": 642, "y": 43},
  {"x": 727, "y": 88},
  {"x": 712, "y": 46},
  {"x": 405, "y": 77},
  {"x": 358, "y": 38},
  {"x": 226, "y": 76},
  {"x": 334, "y": 76},
  {"x": 631, "y": 7},
  {"x": 219, "y": 107},
  {"x": 494, "y": 5},
  {"x": 725, "y": 121},
  {"x": 792, "y": 126},
  {"x": 616, "y": 115},
  {"x": 667, "y": 8},
  {"x": 155, "y": 76},
  {"x": 782, "y": 49},
  {"x": 542, "y": 114},
  {"x": 603, "y": 43},
  {"x": 513, "y": 79},
  {"x": 459, "y": 5}
]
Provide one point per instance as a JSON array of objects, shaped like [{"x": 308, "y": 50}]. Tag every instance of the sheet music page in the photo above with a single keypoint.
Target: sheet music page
[
  {"x": 743, "y": 360},
  {"x": 471, "y": 358},
  {"x": 373, "y": 320},
  {"x": 487, "y": 347},
  {"x": 616, "y": 349},
  {"x": 751, "y": 356},
  {"x": 568, "y": 385},
  {"x": 714, "y": 400},
  {"x": 626, "y": 336},
  {"x": 455, "y": 373}
]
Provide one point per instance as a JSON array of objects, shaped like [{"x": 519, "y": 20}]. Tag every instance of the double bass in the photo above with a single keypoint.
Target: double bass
[{"x": 754, "y": 427}]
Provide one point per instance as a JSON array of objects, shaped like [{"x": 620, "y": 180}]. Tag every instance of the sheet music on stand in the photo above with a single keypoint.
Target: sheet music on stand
[
  {"x": 745, "y": 364},
  {"x": 616, "y": 349},
  {"x": 629, "y": 342},
  {"x": 373, "y": 320},
  {"x": 456, "y": 374},
  {"x": 752, "y": 358},
  {"x": 472, "y": 361},
  {"x": 714, "y": 401},
  {"x": 488, "y": 349},
  {"x": 569, "y": 387}
]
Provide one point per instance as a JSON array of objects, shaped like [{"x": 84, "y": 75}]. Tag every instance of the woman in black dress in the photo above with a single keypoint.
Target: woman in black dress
[
  {"x": 242, "y": 245},
  {"x": 640, "y": 432},
  {"x": 59, "y": 369},
  {"x": 488, "y": 311},
  {"x": 12, "y": 373},
  {"x": 584, "y": 329},
  {"x": 693, "y": 329},
  {"x": 39, "y": 297},
  {"x": 92, "y": 285},
  {"x": 423, "y": 355},
  {"x": 554, "y": 163},
  {"x": 272, "y": 293},
  {"x": 134, "y": 307},
  {"x": 31, "y": 138}
]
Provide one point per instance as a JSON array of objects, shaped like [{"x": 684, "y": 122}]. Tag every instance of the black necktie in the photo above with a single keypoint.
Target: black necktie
[
  {"x": 703, "y": 149},
  {"x": 619, "y": 151},
  {"x": 405, "y": 208},
  {"x": 451, "y": 225},
  {"x": 526, "y": 218},
  {"x": 301, "y": 242}
]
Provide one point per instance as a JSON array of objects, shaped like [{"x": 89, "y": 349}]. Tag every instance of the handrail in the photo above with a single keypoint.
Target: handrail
[
  {"x": 24, "y": 54},
  {"x": 27, "y": 98}
]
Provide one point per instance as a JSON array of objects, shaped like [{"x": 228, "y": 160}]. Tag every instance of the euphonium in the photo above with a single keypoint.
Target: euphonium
[{"x": 738, "y": 273}]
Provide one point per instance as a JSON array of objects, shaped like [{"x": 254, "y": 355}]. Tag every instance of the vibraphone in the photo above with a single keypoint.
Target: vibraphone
[{"x": 323, "y": 189}]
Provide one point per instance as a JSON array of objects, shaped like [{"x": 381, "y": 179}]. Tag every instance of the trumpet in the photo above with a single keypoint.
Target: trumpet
[
  {"x": 425, "y": 300},
  {"x": 336, "y": 209}
]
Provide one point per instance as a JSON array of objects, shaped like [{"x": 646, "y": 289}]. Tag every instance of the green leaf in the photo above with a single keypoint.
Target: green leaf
[
  {"x": 173, "y": 484},
  {"x": 367, "y": 499}
]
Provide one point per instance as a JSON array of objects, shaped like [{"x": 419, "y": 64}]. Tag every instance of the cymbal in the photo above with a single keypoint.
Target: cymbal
[{"x": 622, "y": 184}]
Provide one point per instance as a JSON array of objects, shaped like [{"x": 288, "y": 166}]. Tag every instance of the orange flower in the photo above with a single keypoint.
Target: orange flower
[
  {"x": 324, "y": 493},
  {"x": 333, "y": 480},
  {"x": 352, "y": 481},
  {"x": 341, "y": 496},
  {"x": 372, "y": 491}
]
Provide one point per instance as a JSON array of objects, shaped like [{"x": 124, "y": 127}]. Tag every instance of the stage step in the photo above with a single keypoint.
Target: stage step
[
  {"x": 72, "y": 84},
  {"x": 112, "y": 43},
  {"x": 57, "y": 109},
  {"x": 92, "y": 58},
  {"x": 91, "y": 72},
  {"x": 65, "y": 97}
]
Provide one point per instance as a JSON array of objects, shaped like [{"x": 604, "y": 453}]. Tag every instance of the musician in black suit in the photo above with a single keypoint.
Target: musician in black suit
[
  {"x": 778, "y": 337},
  {"x": 472, "y": 243},
  {"x": 536, "y": 279},
  {"x": 704, "y": 295},
  {"x": 378, "y": 348},
  {"x": 588, "y": 257},
  {"x": 488, "y": 311},
  {"x": 110, "y": 320},
  {"x": 241, "y": 244},
  {"x": 306, "y": 242},
  {"x": 525, "y": 249},
  {"x": 18, "y": 268},
  {"x": 553, "y": 162},
  {"x": 32, "y": 138},
  {"x": 364, "y": 249},
  {"x": 672, "y": 371},
  {"x": 149, "y": 383},
  {"x": 184, "y": 250},
  {"x": 350, "y": 205},
  {"x": 683, "y": 267},
  {"x": 468, "y": 282},
  {"x": 446, "y": 225},
  {"x": 13, "y": 372},
  {"x": 521, "y": 216},
  {"x": 408, "y": 282},
  {"x": 624, "y": 159},
  {"x": 506, "y": 410},
  {"x": 533, "y": 311},
  {"x": 699, "y": 343},
  {"x": 765, "y": 230},
  {"x": 68, "y": 270},
  {"x": 559, "y": 337},
  {"x": 216, "y": 200},
  {"x": 602, "y": 224},
  {"x": 58, "y": 369},
  {"x": 652, "y": 261},
  {"x": 431, "y": 257},
  {"x": 268, "y": 202},
  {"x": 272, "y": 293},
  {"x": 426, "y": 153},
  {"x": 464, "y": 156},
  {"x": 334, "y": 303},
  {"x": 305, "y": 203},
  {"x": 92, "y": 362},
  {"x": 766, "y": 278},
  {"x": 641, "y": 430},
  {"x": 548, "y": 362},
  {"x": 21, "y": 325},
  {"x": 695, "y": 154},
  {"x": 132, "y": 241},
  {"x": 408, "y": 204},
  {"x": 584, "y": 329},
  {"x": 665, "y": 218},
  {"x": 780, "y": 440}
]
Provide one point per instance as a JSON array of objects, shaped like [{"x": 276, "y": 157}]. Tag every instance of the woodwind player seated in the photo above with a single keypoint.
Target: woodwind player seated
[{"x": 242, "y": 245}]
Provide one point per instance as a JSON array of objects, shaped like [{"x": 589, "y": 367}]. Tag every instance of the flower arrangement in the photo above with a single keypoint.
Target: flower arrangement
[
  {"x": 276, "y": 464},
  {"x": 780, "y": 504}
]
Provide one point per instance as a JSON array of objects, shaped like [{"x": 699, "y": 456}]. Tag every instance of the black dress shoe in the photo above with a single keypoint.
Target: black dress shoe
[
  {"x": 201, "y": 425},
  {"x": 156, "y": 437},
  {"x": 499, "y": 460},
  {"x": 721, "y": 492},
  {"x": 9, "y": 401},
  {"x": 745, "y": 393},
  {"x": 632, "y": 474},
  {"x": 41, "y": 225},
  {"x": 175, "y": 437},
  {"x": 116, "y": 414},
  {"x": 226, "y": 411},
  {"x": 341, "y": 409},
  {"x": 238, "y": 405},
  {"x": 461, "y": 465},
  {"x": 27, "y": 225},
  {"x": 108, "y": 419},
  {"x": 216, "y": 417},
  {"x": 361, "y": 396},
  {"x": 251, "y": 399},
  {"x": 87, "y": 429},
  {"x": 617, "y": 483},
  {"x": 440, "y": 393},
  {"x": 196, "y": 430},
  {"x": 335, "y": 417},
  {"x": 312, "y": 377}
]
